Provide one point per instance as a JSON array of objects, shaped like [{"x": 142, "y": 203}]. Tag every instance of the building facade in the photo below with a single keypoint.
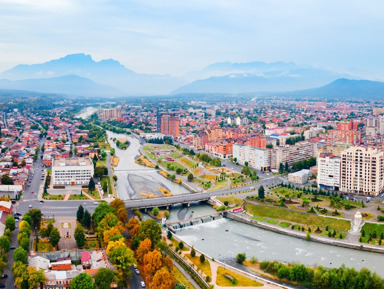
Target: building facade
[
  {"x": 344, "y": 136},
  {"x": 170, "y": 125},
  {"x": 110, "y": 113},
  {"x": 76, "y": 171},
  {"x": 291, "y": 154},
  {"x": 328, "y": 171},
  {"x": 362, "y": 171},
  {"x": 257, "y": 158}
]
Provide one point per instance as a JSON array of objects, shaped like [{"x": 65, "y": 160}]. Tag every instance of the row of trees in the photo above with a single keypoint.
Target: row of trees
[
  {"x": 5, "y": 242},
  {"x": 29, "y": 277},
  {"x": 320, "y": 277}
]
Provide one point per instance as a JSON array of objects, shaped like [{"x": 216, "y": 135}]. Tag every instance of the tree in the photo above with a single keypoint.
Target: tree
[
  {"x": 113, "y": 234},
  {"x": 155, "y": 211},
  {"x": 20, "y": 255},
  {"x": 5, "y": 244},
  {"x": 286, "y": 168},
  {"x": 54, "y": 237},
  {"x": 152, "y": 262},
  {"x": 35, "y": 277},
  {"x": 281, "y": 168},
  {"x": 144, "y": 247},
  {"x": 82, "y": 281},
  {"x": 20, "y": 274},
  {"x": 202, "y": 258},
  {"x": 86, "y": 220},
  {"x": 100, "y": 211},
  {"x": 151, "y": 230},
  {"x": 10, "y": 223},
  {"x": 120, "y": 255},
  {"x": 6, "y": 180},
  {"x": 79, "y": 236},
  {"x": 261, "y": 192},
  {"x": 27, "y": 218},
  {"x": 240, "y": 258},
  {"x": 190, "y": 177},
  {"x": 103, "y": 278},
  {"x": 91, "y": 184},
  {"x": 162, "y": 280},
  {"x": 80, "y": 214},
  {"x": 36, "y": 216},
  {"x": 122, "y": 214},
  {"x": 193, "y": 252},
  {"x": 24, "y": 243}
]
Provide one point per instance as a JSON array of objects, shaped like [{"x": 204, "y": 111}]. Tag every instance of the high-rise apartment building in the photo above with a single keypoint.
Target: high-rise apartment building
[
  {"x": 344, "y": 136},
  {"x": 110, "y": 113},
  {"x": 291, "y": 154},
  {"x": 257, "y": 158},
  {"x": 328, "y": 171},
  {"x": 362, "y": 170},
  {"x": 170, "y": 125}
]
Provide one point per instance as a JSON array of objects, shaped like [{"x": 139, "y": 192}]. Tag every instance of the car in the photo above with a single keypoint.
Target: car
[
  {"x": 95, "y": 203},
  {"x": 30, "y": 206},
  {"x": 41, "y": 201},
  {"x": 4, "y": 276},
  {"x": 135, "y": 266},
  {"x": 16, "y": 220},
  {"x": 137, "y": 271},
  {"x": 18, "y": 214},
  {"x": 2, "y": 285},
  {"x": 32, "y": 192},
  {"x": 142, "y": 284},
  {"x": 12, "y": 248}
]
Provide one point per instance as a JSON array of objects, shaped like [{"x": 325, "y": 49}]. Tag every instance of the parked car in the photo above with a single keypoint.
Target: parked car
[
  {"x": 142, "y": 284},
  {"x": 137, "y": 271},
  {"x": 135, "y": 266},
  {"x": 4, "y": 276},
  {"x": 12, "y": 247},
  {"x": 2, "y": 285},
  {"x": 41, "y": 201},
  {"x": 30, "y": 206}
]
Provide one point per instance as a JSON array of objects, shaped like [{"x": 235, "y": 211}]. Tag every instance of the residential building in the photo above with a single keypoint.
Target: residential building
[
  {"x": 291, "y": 154},
  {"x": 328, "y": 171},
  {"x": 345, "y": 136},
  {"x": 170, "y": 125},
  {"x": 257, "y": 158},
  {"x": 77, "y": 171},
  {"x": 362, "y": 170},
  {"x": 110, "y": 113}
]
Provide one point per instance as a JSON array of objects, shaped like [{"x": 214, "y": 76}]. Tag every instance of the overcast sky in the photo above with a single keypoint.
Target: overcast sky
[{"x": 177, "y": 36}]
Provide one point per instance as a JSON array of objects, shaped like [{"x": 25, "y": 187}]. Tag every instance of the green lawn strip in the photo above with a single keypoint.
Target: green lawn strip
[
  {"x": 190, "y": 164},
  {"x": 285, "y": 224},
  {"x": 204, "y": 267},
  {"x": 272, "y": 221},
  {"x": 173, "y": 165},
  {"x": 95, "y": 193},
  {"x": 220, "y": 185},
  {"x": 78, "y": 197},
  {"x": 261, "y": 219},
  {"x": 238, "y": 281},
  {"x": 370, "y": 228},
  {"x": 101, "y": 163},
  {"x": 300, "y": 218},
  {"x": 231, "y": 200}
]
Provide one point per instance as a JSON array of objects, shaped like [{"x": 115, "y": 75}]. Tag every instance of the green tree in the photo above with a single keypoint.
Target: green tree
[
  {"x": 286, "y": 168},
  {"x": 20, "y": 274},
  {"x": 261, "y": 192},
  {"x": 24, "y": 243},
  {"x": 27, "y": 218},
  {"x": 6, "y": 180},
  {"x": 35, "y": 277},
  {"x": 5, "y": 244},
  {"x": 54, "y": 237},
  {"x": 155, "y": 211},
  {"x": 91, "y": 185},
  {"x": 240, "y": 258},
  {"x": 20, "y": 255},
  {"x": 80, "y": 214},
  {"x": 190, "y": 177},
  {"x": 10, "y": 223},
  {"x": 100, "y": 212},
  {"x": 82, "y": 281},
  {"x": 150, "y": 229},
  {"x": 86, "y": 220},
  {"x": 103, "y": 278},
  {"x": 202, "y": 258},
  {"x": 79, "y": 236},
  {"x": 36, "y": 216},
  {"x": 193, "y": 252}
]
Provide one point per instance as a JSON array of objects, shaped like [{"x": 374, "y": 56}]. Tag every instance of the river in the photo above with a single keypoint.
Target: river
[
  {"x": 133, "y": 179},
  {"x": 86, "y": 112},
  {"x": 223, "y": 239}
]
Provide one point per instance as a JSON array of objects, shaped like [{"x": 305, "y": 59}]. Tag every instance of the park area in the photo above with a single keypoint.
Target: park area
[{"x": 200, "y": 169}]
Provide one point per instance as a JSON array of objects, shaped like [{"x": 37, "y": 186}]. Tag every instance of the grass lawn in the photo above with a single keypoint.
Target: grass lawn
[
  {"x": 175, "y": 155},
  {"x": 272, "y": 221},
  {"x": 300, "y": 218},
  {"x": 220, "y": 185},
  {"x": 285, "y": 224},
  {"x": 91, "y": 243},
  {"x": 54, "y": 197},
  {"x": 241, "y": 281},
  {"x": 175, "y": 165},
  {"x": 175, "y": 243},
  {"x": 370, "y": 227},
  {"x": 205, "y": 267},
  {"x": 78, "y": 197},
  {"x": 261, "y": 219},
  {"x": 187, "y": 162},
  {"x": 95, "y": 193},
  {"x": 44, "y": 246},
  {"x": 180, "y": 278},
  {"x": 101, "y": 163},
  {"x": 368, "y": 215},
  {"x": 231, "y": 200}
]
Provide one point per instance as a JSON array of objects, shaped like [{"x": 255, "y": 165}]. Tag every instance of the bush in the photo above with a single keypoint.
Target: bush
[
  {"x": 253, "y": 260},
  {"x": 181, "y": 245},
  {"x": 380, "y": 218},
  {"x": 155, "y": 211},
  {"x": 193, "y": 252},
  {"x": 226, "y": 203},
  {"x": 169, "y": 235},
  {"x": 202, "y": 258},
  {"x": 240, "y": 258}
]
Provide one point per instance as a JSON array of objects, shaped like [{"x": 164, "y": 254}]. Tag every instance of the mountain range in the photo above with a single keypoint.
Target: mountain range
[{"x": 80, "y": 75}]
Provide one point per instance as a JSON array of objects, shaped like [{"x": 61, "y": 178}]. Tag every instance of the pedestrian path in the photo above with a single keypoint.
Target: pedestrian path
[{"x": 69, "y": 192}]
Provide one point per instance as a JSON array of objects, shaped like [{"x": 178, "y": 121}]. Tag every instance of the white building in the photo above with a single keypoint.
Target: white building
[
  {"x": 257, "y": 158},
  {"x": 328, "y": 171},
  {"x": 229, "y": 121},
  {"x": 362, "y": 170},
  {"x": 300, "y": 177},
  {"x": 76, "y": 171},
  {"x": 291, "y": 154}
]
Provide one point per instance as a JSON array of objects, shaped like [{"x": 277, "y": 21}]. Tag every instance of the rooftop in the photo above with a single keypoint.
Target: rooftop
[{"x": 74, "y": 162}]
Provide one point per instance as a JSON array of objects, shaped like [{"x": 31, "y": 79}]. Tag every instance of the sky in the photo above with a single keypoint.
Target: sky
[{"x": 178, "y": 36}]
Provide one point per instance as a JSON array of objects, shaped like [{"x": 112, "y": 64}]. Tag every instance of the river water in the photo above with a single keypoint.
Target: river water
[
  {"x": 134, "y": 179},
  {"x": 223, "y": 239},
  {"x": 86, "y": 112}
]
